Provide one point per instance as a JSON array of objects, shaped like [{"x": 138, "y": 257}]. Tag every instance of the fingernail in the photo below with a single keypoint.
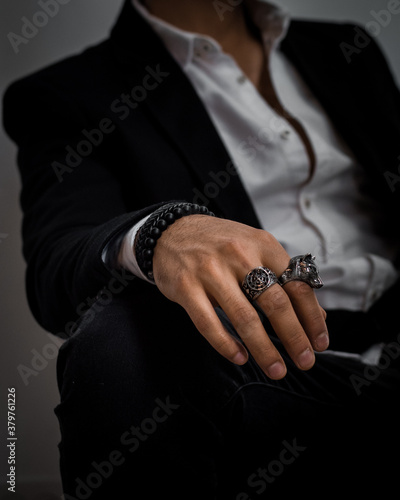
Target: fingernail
[
  {"x": 322, "y": 341},
  {"x": 276, "y": 370},
  {"x": 306, "y": 359},
  {"x": 240, "y": 358}
]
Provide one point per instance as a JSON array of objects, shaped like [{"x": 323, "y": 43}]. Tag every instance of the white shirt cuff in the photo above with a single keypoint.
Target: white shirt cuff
[{"x": 127, "y": 257}]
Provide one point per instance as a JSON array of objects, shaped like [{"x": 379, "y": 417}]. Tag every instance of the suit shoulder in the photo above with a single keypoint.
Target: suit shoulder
[
  {"x": 76, "y": 70},
  {"x": 348, "y": 42},
  {"x": 62, "y": 88},
  {"x": 325, "y": 30}
]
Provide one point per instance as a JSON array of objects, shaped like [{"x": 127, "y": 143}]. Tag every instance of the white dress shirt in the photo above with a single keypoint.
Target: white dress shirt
[{"x": 326, "y": 215}]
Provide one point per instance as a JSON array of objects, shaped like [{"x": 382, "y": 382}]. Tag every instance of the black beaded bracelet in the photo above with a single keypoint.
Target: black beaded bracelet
[{"x": 153, "y": 228}]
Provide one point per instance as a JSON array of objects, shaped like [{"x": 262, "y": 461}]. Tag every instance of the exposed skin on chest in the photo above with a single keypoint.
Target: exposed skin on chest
[{"x": 238, "y": 37}]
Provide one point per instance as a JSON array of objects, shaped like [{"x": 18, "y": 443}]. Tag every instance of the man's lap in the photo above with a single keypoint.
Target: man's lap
[{"x": 151, "y": 398}]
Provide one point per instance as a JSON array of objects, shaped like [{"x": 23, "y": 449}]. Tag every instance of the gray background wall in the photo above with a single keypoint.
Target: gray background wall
[{"x": 76, "y": 25}]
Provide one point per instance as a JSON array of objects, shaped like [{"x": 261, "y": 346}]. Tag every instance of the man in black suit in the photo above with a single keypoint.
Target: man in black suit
[{"x": 188, "y": 388}]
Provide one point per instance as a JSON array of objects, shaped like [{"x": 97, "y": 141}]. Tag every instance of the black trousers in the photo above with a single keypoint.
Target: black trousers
[{"x": 150, "y": 411}]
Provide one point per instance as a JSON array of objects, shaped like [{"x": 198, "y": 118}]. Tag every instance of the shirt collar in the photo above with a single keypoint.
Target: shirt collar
[{"x": 273, "y": 22}]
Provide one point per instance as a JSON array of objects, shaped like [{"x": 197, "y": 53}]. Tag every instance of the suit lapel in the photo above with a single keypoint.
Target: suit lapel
[
  {"x": 358, "y": 102},
  {"x": 314, "y": 48},
  {"x": 179, "y": 111}
]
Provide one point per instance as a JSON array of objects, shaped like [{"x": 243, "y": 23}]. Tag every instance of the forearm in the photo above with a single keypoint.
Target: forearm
[{"x": 67, "y": 222}]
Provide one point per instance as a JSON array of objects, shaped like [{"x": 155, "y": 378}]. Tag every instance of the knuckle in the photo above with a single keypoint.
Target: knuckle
[
  {"x": 266, "y": 238},
  {"x": 245, "y": 316},
  {"x": 277, "y": 300},
  {"x": 224, "y": 346},
  {"x": 299, "y": 287},
  {"x": 266, "y": 352},
  {"x": 202, "y": 323},
  {"x": 233, "y": 246},
  {"x": 210, "y": 266},
  {"x": 263, "y": 235},
  {"x": 316, "y": 317},
  {"x": 298, "y": 342},
  {"x": 206, "y": 269},
  {"x": 182, "y": 283}
]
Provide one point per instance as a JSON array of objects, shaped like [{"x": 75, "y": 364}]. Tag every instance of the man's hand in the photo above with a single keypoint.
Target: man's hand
[{"x": 200, "y": 263}]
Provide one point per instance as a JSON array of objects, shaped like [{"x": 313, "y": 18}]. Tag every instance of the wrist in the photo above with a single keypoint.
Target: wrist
[
  {"x": 158, "y": 222},
  {"x": 126, "y": 255}
]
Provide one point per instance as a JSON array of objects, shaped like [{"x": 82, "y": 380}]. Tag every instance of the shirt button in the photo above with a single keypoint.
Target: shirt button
[
  {"x": 375, "y": 296},
  {"x": 285, "y": 134},
  {"x": 307, "y": 202},
  {"x": 241, "y": 79},
  {"x": 202, "y": 48}
]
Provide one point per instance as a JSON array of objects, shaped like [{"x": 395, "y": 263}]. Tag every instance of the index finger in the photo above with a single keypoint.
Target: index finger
[
  {"x": 207, "y": 322},
  {"x": 247, "y": 324}
]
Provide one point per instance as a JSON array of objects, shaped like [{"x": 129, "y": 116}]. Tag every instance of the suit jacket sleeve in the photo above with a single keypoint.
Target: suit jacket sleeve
[{"x": 67, "y": 219}]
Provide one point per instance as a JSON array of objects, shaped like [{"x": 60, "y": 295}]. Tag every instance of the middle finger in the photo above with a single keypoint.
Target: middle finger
[{"x": 278, "y": 308}]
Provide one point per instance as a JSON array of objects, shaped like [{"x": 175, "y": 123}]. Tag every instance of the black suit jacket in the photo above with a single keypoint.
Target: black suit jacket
[{"x": 163, "y": 149}]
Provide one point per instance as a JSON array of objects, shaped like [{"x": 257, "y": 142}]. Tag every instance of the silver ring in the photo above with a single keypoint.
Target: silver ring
[
  {"x": 257, "y": 281},
  {"x": 302, "y": 268}
]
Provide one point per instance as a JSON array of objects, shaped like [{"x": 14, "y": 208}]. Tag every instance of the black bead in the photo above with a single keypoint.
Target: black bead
[
  {"x": 148, "y": 254},
  {"x": 169, "y": 218},
  {"x": 162, "y": 224},
  {"x": 178, "y": 213},
  {"x": 155, "y": 232},
  {"x": 150, "y": 243},
  {"x": 204, "y": 210},
  {"x": 147, "y": 264}
]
